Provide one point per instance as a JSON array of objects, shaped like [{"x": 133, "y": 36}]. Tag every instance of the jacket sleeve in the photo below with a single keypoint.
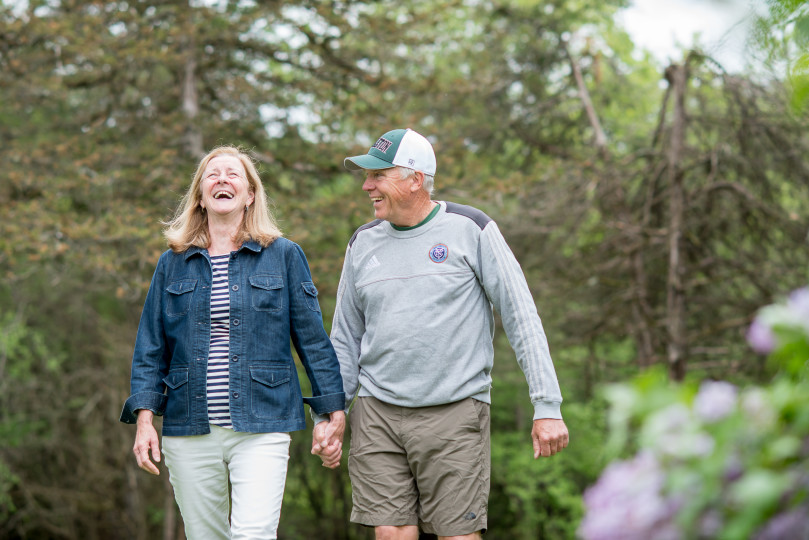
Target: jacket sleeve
[
  {"x": 507, "y": 289},
  {"x": 150, "y": 361},
  {"x": 310, "y": 338}
]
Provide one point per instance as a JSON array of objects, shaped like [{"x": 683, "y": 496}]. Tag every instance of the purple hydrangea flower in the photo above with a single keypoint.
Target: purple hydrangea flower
[
  {"x": 675, "y": 432},
  {"x": 793, "y": 524},
  {"x": 793, "y": 313},
  {"x": 715, "y": 400},
  {"x": 627, "y": 503},
  {"x": 761, "y": 337},
  {"x": 798, "y": 304}
]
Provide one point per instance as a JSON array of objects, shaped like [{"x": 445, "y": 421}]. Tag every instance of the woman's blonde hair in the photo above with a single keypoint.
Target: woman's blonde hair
[{"x": 189, "y": 227}]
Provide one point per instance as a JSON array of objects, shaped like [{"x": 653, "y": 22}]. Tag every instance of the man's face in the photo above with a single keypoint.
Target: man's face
[{"x": 389, "y": 194}]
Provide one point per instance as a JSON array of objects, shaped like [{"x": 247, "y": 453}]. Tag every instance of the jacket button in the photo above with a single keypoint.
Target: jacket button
[
  {"x": 235, "y": 358},
  {"x": 235, "y": 287},
  {"x": 235, "y": 395},
  {"x": 235, "y": 322}
]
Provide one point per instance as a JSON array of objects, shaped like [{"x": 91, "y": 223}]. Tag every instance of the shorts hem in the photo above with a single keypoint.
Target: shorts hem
[
  {"x": 376, "y": 520},
  {"x": 479, "y": 524}
]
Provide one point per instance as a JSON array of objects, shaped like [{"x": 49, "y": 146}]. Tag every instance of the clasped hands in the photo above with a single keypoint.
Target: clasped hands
[{"x": 327, "y": 439}]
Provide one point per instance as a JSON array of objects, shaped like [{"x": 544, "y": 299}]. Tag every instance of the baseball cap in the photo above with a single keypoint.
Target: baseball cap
[{"x": 402, "y": 147}]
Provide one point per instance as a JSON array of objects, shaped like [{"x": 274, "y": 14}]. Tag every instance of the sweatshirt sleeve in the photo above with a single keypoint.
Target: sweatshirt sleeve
[
  {"x": 348, "y": 327},
  {"x": 507, "y": 289}
]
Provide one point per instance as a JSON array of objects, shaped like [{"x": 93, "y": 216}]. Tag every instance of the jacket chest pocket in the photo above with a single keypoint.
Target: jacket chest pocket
[
  {"x": 266, "y": 292},
  {"x": 178, "y": 299}
]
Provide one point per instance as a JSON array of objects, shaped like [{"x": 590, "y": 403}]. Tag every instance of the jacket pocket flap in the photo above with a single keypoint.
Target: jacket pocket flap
[
  {"x": 309, "y": 288},
  {"x": 180, "y": 287},
  {"x": 267, "y": 282},
  {"x": 270, "y": 376},
  {"x": 176, "y": 379}
]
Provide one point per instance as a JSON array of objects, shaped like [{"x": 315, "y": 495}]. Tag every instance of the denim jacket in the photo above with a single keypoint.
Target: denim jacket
[{"x": 272, "y": 301}]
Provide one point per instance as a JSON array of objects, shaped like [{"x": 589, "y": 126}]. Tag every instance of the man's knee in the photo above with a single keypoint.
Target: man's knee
[
  {"x": 474, "y": 536},
  {"x": 390, "y": 532}
]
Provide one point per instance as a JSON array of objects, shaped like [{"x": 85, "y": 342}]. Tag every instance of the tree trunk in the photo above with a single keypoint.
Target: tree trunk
[
  {"x": 677, "y": 77},
  {"x": 193, "y": 136},
  {"x": 599, "y": 138}
]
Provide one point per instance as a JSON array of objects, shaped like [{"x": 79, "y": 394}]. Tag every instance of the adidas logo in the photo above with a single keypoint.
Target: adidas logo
[{"x": 373, "y": 262}]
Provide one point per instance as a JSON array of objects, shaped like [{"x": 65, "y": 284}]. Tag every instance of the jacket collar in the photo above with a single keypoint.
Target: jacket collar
[{"x": 252, "y": 245}]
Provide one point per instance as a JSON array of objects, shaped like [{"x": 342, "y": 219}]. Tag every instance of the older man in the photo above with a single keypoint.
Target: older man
[{"x": 413, "y": 332}]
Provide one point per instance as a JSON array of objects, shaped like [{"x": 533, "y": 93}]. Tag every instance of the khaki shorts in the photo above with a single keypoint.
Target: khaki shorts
[{"x": 425, "y": 466}]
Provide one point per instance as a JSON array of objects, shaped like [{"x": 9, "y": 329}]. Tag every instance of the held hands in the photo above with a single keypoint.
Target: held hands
[
  {"x": 145, "y": 441},
  {"x": 327, "y": 439},
  {"x": 549, "y": 436}
]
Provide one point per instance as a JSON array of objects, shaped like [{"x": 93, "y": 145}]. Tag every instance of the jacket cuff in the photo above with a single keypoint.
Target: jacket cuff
[
  {"x": 326, "y": 404},
  {"x": 547, "y": 409},
  {"x": 143, "y": 400}
]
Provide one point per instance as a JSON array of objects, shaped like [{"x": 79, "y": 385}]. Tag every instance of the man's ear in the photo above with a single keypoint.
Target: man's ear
[{"x": 418, "y": 181}]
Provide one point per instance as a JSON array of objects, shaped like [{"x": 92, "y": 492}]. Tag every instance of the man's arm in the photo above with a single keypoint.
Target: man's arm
[{"x": 506, "y": 287}]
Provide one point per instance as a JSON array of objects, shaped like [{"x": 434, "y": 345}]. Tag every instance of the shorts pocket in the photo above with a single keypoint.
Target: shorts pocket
[
  {"x": 179, "y": 401},
  {"x": 266, "y": 292},
  {"x": 178, "y": 299},
  {"x": 310, "y": 293},
  {"x": 271, "y": 391}
]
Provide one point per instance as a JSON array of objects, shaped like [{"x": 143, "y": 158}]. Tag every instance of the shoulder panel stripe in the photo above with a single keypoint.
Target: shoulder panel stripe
[
  {"x": 373, "y": 223},
  {"x": 480, "y": 219}
]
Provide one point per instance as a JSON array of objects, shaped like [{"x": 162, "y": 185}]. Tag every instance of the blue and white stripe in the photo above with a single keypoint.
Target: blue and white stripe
[{"x": 218, "y": 403}]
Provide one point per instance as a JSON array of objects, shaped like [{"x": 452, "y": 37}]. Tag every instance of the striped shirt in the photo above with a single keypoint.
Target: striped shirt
[{"x": 218, "y": 404}]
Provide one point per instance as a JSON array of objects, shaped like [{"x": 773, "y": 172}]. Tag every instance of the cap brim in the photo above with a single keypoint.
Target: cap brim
[{"x": 366, "y": 161}]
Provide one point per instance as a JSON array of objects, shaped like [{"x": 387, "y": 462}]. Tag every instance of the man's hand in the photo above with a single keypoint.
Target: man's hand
[
  {"x": 145, "y": 441},
  {"x": 327, "y": 439},
  {"x": 549, "y": 436}
]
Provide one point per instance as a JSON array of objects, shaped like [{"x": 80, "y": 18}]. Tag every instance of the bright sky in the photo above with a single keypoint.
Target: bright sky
[{"x": 666, "y": 27}]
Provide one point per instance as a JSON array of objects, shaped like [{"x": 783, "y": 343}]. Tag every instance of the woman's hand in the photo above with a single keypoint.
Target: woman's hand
[
  {"x": 327, "y": 439},
  {"x": 145, "y": 441}
]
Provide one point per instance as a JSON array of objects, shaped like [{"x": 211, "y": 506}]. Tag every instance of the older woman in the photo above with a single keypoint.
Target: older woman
[{"x": 212, "y": 355}]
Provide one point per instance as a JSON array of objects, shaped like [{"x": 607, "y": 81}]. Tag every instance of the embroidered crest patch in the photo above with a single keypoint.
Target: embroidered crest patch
[{"x": 439, "y": 253}]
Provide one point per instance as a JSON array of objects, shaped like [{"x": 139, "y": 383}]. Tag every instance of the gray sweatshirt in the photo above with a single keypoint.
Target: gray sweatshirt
[{"x": 414, "y": 324}]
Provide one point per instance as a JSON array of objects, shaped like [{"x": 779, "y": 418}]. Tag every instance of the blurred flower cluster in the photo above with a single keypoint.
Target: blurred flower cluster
[{"x": 710, "y": 459}]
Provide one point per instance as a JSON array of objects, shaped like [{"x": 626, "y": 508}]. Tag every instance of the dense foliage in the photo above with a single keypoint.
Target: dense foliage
[
  {"x": 714, "y": 461},
  {"x": 653, "y": 210}
]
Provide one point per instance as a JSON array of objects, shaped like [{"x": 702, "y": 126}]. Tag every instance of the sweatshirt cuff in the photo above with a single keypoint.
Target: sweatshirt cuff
[
  {"x": 547, "y": 409},
  {"x": 318, "y": 418}
]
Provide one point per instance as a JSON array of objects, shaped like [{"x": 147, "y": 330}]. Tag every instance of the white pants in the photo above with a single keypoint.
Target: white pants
[{"x": 199, "y": 469}]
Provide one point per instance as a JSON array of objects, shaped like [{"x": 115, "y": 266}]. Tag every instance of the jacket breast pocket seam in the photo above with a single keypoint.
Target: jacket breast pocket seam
[
  {"x": 179, "y": 298},
  {"x": 266, "y": 292}
]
